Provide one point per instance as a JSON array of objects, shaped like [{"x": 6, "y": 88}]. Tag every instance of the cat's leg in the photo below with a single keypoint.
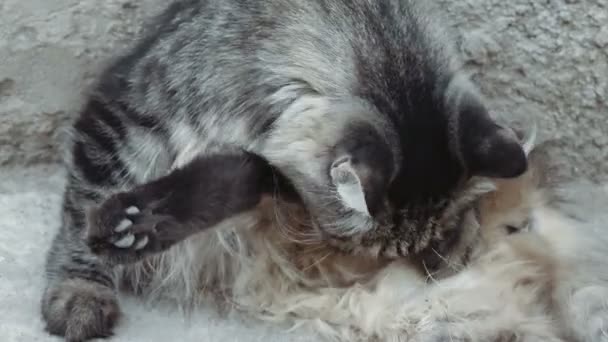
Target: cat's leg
[
  {"x": 154, "y": 216},
  {"x": 80, "y": 300},
  {"x": 108, "y": 156},
  {"x": 340, "y": 156}
]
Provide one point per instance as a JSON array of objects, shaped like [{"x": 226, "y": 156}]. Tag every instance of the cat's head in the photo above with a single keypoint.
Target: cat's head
[
  {"x": 394, "y": 184},
  {"x": 419, "y": 194},
  {"x": 397, "y": 178}
]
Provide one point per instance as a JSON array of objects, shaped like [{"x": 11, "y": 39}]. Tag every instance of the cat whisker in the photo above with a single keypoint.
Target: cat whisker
[
  {"x": 448, "y": 262},
  {"x": 316, "y": 262},
  {"x": 429, "y": 275}
]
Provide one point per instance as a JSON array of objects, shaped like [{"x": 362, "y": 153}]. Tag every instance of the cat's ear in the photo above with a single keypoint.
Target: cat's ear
[
  {"x": 362, "y": 168},
  {"x": 486, "y": 148}
]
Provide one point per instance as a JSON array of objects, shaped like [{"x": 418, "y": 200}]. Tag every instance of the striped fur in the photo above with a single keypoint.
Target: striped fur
[{"x": 360, "y": 105}]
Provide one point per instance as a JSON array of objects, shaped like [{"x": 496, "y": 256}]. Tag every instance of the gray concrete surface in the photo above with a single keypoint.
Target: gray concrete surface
[{"x": 530, "y": 56}]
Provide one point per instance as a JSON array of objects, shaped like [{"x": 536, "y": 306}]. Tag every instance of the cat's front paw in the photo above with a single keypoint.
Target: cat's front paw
[{"x": 124, "y": 229}]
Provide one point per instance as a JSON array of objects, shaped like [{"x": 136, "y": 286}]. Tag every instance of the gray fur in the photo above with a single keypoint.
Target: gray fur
[{"x": 301, "y": 83}]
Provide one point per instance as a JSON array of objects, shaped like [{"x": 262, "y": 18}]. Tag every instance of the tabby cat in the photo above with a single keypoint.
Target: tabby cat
[{"x": 359, "y": 108}]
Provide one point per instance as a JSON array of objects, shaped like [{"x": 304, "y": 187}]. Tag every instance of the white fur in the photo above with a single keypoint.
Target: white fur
[
  {"x": 548, "y": 284},
  {"x": 349, "y": 187}
]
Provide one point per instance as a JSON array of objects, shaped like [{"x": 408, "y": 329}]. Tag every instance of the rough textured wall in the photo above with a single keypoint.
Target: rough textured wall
[
  {"x": 548, "y": 57},
  {"x": 49, "y": 52}
]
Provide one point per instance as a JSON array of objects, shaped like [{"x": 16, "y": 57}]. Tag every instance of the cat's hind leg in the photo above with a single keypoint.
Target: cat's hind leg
[
  {"x": 80, "y": 301},
  {"x": 79, "y": 309}
]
